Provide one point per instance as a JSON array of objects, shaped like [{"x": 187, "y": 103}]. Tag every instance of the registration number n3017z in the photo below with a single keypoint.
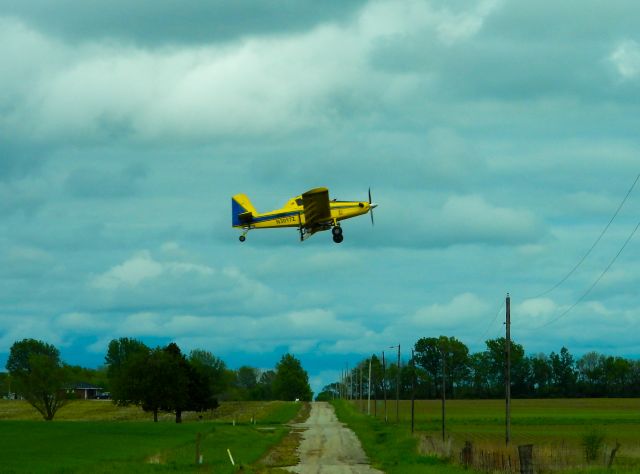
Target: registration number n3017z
[{"x": 286, "y": 220}]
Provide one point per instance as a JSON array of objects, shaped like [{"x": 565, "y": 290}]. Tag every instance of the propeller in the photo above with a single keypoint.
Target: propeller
[{"x": 371, "y": 207}]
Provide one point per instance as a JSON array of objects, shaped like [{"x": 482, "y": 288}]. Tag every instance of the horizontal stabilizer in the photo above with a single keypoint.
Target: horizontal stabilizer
[{"x": 245, "y": 217}]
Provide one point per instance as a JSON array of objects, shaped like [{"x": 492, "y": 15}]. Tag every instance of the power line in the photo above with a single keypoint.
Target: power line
[
  {"x": 491, "y": 323},
  {"x": 595, "y": 282},
  {"x": 594, "y": 244}
]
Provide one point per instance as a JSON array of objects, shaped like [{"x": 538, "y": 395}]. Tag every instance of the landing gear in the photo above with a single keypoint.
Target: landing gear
[
  {"x": 242, "y": 238},
  {"x": 336, "y": 230}
]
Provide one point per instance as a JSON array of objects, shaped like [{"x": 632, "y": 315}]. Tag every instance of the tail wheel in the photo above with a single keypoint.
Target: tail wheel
[
  {"x": 337, "y": 238},
  {"x": 242, "y": 238}
]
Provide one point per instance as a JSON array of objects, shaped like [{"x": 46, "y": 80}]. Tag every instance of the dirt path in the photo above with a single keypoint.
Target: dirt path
[{"x": 328, "y": 446}]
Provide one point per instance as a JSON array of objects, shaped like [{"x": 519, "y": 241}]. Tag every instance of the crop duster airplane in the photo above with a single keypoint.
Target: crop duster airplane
[{"x": 310, "y": 212}]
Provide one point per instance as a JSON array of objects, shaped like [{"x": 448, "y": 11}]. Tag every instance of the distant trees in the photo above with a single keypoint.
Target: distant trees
[
  {"x": 161, "y": 379},
  {"x": 429, "y": 354},
  {"x": 38, "y": 375},
  {"x": 165, "y": 380},
  {"x": 482, "y": 374},
  {"x": 291, "y": 380}
]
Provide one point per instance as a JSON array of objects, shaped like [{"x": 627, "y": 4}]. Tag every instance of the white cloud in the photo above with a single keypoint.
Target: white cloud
[
  {"x": 130, "y": 273},
  {"x": 80, "y": 323},
  {"x": 460, "y": 310},
  {"x": 455, "y": 27},
  {"x": 253, "y": 86},
  {"x": 626, "y": 59},
  {"x": 536, "y": 309}
]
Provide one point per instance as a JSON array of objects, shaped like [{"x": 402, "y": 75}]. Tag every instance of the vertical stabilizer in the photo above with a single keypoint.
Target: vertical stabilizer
[{"x": 242, "y": 211}]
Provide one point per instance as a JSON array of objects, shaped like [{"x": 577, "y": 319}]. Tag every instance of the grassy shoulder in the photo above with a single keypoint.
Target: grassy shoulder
[
  {"x": 143, "y": 446},
  {"x": 391, "y": 447},
  {"x": 285, "y": 453}
]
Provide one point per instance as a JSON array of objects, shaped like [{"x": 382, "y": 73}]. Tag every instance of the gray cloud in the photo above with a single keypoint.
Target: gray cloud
[{"x": 165, "y": 22}]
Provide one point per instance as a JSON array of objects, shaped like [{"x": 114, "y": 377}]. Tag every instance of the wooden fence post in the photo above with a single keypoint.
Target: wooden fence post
[
  {"x": 198, "y": 438},
  {"x": 467, "y": 454},
  {"x": 525, "y": 453}
]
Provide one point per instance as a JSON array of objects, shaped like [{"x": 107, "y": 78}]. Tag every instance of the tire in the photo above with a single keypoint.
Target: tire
[
  {"x": 336, "y": 230},
  {"x": 338, "y": 238},
  {"x": 242, "y": 238}
]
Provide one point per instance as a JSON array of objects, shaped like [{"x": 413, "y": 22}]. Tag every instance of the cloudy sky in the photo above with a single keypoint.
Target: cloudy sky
[{"x": 498, "y": 137}]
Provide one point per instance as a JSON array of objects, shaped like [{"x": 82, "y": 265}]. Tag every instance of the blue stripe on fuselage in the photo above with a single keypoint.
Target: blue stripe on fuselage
[{"x": 280, "y": 215}]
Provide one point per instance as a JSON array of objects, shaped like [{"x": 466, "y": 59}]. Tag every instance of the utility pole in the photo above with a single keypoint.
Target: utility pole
[
  {"x": 347, "y": 382},
  {"x": 369, "y": 390},
  {"x": 413, "y": 388},
  {"x": 361, "y": 397},
  {"x": 507, "y": 374},
  {"x": 384, "y": 386},
  {"x": 351, "y": 383},
  {"x": 444, "y": 378},
  {"x": 398, "y": 389}
]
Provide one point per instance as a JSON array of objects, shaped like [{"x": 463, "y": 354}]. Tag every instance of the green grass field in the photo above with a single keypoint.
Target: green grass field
[
  {"x": 105, "y": 438},
  {"x": 555, "y": 427}
]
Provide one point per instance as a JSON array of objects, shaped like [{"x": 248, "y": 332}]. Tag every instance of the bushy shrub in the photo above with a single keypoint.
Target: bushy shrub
[{"x": 592, "y": 443}]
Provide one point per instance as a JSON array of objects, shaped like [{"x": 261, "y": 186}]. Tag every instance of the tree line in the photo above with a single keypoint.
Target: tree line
[
  {"x": 160, "y": 379},
  {"x": 482, "y": 374}
]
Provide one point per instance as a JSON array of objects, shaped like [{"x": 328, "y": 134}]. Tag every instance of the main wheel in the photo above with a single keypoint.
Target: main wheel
[
  {"x": 242, "y": 238},
  {"x": 337, "y": 238},
  {"x": 336, "y": 230}
]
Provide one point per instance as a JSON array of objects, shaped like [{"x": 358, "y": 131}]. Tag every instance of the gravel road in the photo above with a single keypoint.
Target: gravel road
[{"x": 328, "y": 446}]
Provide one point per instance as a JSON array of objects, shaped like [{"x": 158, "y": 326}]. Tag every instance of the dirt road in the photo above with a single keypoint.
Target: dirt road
[{"x": 328, "y": 446}]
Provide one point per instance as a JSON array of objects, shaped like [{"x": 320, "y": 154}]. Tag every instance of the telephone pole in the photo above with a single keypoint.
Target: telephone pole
[
  {"x": 413, "y": 388},
  {"x": 369, "y": 390},
  {"x": 397, "y": 386},
  {"x": 360, "y": 369},
  {"x": 384, "y": 386},
  {"x": 444, "y": 378},
  {"x": 508, "y": 372}
]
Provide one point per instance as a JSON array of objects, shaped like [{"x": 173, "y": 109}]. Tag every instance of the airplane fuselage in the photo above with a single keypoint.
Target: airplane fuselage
[{"x": 292, "y": 214}]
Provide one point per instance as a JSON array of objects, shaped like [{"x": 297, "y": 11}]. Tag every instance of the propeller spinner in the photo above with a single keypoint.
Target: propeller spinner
[{"x": 371, "y": 207}]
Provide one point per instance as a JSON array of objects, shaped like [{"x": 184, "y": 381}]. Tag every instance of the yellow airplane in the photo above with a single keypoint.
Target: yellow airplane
[{"x": 310, "y": 212}]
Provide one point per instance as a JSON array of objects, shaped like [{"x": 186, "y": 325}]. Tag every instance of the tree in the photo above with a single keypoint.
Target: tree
[
  {"x": 496, "y": 359},
  {"x": 429, "y": 352},
  {"x": 208, "y": 380},
  {"x": 247, "y": 381},
  {"x": 264, "y": 389},
  {"x": 214, "y": 368},
  {"x": 541, "y": 375},
  {"x": 126, "y": 362},
  {"x": 590, "y": 369},
  {"x": 563, "y": 373},
  {"x": 329, "y": 392},
  {"x": 291, "y": 381},
  {"x": 38, "y": 375},
  {"x": 178, "y": 379}
]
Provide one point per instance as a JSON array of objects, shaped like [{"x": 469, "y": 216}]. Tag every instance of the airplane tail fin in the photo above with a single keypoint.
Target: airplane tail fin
[{"x": 241, "y": 210}]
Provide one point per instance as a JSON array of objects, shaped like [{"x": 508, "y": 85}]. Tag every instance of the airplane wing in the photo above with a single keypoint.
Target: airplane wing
[{"x": 316, "y": 207}]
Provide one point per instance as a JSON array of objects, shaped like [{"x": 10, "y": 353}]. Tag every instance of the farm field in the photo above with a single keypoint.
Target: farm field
[
  {"x": 556, "y": 428},
  {"x": 97, "y": 436}
]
